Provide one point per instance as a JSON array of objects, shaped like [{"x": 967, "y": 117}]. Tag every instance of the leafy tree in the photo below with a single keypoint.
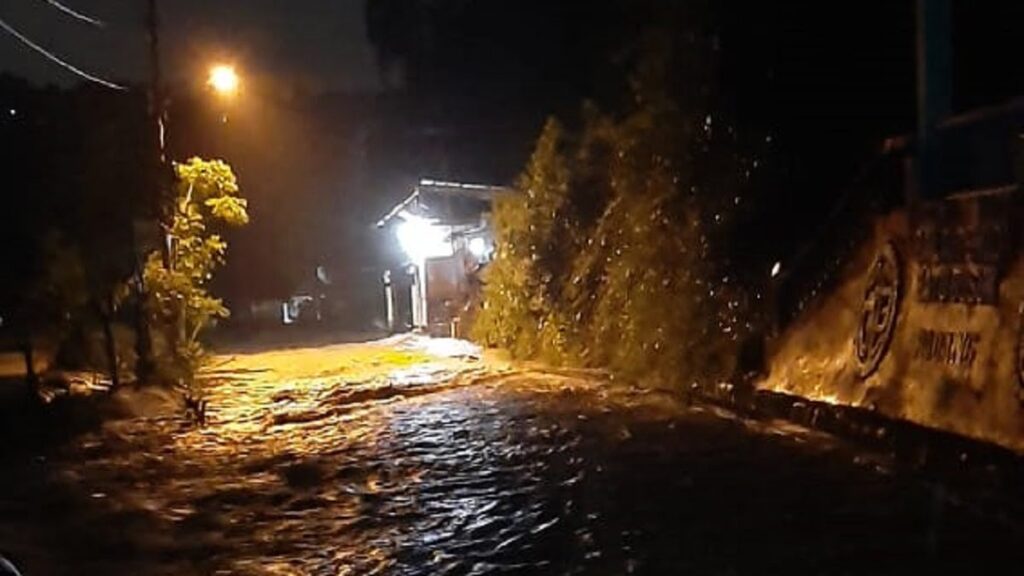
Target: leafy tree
[
  {"x": 180, "y": 304},
  {"x": 67, "y": 239},
  {"x": 617, "y": 249},
  {"x": 22, "y": 221},
  {"x": 110, "y": 174},
  {"x": 522, "y": 278}
]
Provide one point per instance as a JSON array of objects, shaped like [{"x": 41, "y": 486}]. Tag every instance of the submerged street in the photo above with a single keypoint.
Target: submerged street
[{"x": 410, "y": 456}]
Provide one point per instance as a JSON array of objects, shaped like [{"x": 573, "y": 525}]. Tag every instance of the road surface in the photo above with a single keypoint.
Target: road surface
[{"x": 412, "y": 457}]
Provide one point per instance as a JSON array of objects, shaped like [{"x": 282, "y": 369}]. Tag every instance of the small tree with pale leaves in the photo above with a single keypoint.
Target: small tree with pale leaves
[{"x": 180, "y": 305}]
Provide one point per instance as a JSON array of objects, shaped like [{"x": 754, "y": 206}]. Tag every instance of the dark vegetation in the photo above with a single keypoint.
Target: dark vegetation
[
  {"x": 644, "y": 231},
  {"x": 78, "y": 172},
  {"x": 80, "y": 235},
  {"x": 625, "y": 243}
]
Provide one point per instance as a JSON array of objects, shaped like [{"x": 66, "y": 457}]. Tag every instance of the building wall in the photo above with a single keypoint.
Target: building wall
[{"x": 953, "y": 283}]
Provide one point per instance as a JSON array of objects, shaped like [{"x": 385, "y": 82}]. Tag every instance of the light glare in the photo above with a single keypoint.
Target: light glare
[
  {"x": 223, "y": 79},
  {"x": 478, "y": 247},
  {"x": 421, "y": 239}
]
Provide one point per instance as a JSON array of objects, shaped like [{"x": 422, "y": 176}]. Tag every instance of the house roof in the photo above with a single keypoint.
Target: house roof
[{"x": 446, "y": 202}]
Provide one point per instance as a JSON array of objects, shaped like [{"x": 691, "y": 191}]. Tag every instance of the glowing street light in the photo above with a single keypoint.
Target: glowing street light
[{"x": 223, "y": 79}]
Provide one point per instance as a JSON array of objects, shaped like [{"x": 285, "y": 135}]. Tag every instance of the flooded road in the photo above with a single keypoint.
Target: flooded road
[{"x": 399, "y": 459}]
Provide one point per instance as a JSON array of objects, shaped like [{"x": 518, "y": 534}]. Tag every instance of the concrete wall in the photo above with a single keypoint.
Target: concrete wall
[{"x": 953, "y": 283}]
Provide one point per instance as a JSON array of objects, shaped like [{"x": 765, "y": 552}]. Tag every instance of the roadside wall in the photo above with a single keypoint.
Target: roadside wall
[{"x": 924, "y": 325}]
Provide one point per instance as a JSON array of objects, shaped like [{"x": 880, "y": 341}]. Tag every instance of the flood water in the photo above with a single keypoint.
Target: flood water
[{"x": 521, "y": 473}]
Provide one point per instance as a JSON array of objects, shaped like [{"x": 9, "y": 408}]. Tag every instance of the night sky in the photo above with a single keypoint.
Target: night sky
[{"x": 318, "y": 45}]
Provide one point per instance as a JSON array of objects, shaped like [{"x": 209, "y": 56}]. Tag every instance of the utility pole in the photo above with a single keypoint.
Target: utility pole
[
  {"x": 158, "y": 111},
  {"x": 145, "y": 364},
  {"x": 934, "y": 92}
]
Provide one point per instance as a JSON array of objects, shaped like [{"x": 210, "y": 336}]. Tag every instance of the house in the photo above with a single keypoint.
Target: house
[{"x": 444, "y": 231}]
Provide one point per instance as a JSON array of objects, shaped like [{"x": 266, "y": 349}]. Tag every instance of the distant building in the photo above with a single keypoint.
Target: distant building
[{"x": 445, "y": 234}]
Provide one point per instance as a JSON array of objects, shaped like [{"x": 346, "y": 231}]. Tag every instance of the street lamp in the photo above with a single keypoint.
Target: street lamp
[{"x": 223, "y": 79}]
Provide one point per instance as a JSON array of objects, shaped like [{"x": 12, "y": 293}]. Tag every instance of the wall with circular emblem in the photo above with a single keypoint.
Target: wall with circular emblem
[
  {"x": 878, "y": 311},
  {"x": 926, "y": 323}
]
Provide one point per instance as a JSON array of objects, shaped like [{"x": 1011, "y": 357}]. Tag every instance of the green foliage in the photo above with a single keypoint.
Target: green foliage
[
  {"x": 180, "y": 304},
  {"x": 616, "y": 249},
  {"x": 521, "y": 278}
]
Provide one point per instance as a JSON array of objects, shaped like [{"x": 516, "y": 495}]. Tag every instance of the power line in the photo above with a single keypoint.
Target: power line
[
  {"x": 56, "y": 59},
  {"x": 75, "y": 14}
]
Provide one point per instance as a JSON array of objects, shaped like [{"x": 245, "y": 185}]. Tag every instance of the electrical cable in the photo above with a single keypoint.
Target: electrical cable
[
  {"x": 75, "y": 14},
  {"x": 56, "y": 59}
]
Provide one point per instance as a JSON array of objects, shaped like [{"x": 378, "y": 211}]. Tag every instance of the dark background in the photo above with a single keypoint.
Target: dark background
[{"x": 347, "y": 104}]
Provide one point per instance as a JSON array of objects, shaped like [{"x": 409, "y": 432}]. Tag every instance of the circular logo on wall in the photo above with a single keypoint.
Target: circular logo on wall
[{"x": 878, "y": 312}]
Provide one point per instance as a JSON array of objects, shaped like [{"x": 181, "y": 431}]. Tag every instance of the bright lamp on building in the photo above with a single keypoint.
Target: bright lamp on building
[
  {"x": 421, "y": 238},
  {"x": 478, "y": 247}
]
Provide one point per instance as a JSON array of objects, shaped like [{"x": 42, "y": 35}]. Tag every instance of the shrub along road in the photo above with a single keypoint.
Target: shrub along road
[{"x": 409, "y": 456}]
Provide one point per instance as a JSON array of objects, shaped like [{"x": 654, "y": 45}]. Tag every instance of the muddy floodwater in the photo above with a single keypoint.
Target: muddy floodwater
[{"x": 403, "y": 458}]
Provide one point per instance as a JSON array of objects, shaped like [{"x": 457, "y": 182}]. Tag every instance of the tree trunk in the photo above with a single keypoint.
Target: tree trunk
[
  {"x": 110, "y": 345},
  {"x": 144, "y": 364},
  {"x": 28, "y": 353},
  {"x": 73, "y": 349}
]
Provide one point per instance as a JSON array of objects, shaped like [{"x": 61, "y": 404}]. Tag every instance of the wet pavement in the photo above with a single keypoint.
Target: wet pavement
[{"x": 399, "y": 459}]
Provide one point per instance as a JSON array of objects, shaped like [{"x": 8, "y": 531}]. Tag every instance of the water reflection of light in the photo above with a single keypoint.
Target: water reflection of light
[
  {"x": 829, "y": 399},
  {"x": 447, "y": 347},
  {"x": 434, "y": 417},
  {"x": 470, "y": 474}
]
